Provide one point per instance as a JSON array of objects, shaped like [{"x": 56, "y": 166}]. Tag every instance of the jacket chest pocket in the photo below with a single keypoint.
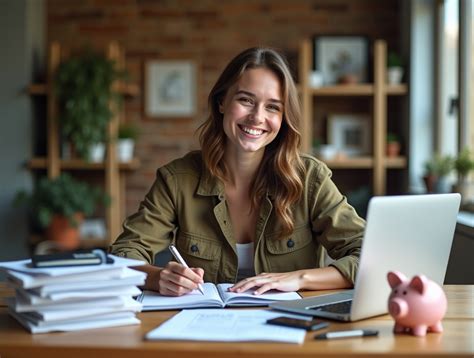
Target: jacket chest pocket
[
  {"x": 295, "y": 252},
  {"x": 200, "y": 252}
]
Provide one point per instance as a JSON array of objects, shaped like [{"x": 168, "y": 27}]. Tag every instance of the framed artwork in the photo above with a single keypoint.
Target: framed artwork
[
  {"x": 170, "y": 88},
  {"x": 350, "y": 134},
  {"x": 341, "y": 59}
]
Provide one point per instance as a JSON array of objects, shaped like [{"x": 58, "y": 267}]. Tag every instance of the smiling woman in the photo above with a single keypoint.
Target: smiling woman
[{"x": 248, "y": 207}]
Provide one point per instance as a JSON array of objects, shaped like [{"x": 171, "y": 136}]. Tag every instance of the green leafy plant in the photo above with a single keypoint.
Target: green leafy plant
[
  {"x": 128, "y": 131},
  {"x": 463, "y": 164},
  {"x": 84, "y": 88},
  {"x": 394, "y": 60},
  {"x": 439, "y": 166},
  {"x": 64, "y": 196},
  {"x": 392, "y": 138}
]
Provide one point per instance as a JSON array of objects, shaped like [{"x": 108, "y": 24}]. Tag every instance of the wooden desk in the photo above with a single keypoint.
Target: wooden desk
[{"x": 457, "y": 339}]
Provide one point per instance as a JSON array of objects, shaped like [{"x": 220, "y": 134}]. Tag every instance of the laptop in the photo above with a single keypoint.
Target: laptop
[{"x": 411, "y": 234}]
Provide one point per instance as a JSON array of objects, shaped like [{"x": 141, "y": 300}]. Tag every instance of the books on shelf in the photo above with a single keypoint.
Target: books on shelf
[
  {"x": 226, "y": 326},
  {"x": 214, "y": 296},
  {"x": 74, "y": 298}
]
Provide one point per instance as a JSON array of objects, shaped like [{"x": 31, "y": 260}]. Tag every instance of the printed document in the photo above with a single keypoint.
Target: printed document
[{"x": 225, "y": 326}]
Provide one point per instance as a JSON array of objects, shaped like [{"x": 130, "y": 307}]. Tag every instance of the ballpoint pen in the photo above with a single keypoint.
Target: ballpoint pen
[
  {"x": 179, "y": 258},
  {"x": 347, "y": 334}
]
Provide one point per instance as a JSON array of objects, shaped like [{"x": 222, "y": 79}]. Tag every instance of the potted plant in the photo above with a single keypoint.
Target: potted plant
[
  {"x": 60, "y": 205},
  {"x": 436, "y": 172},
  {"x": 85, "y": 94},
  {"x": 393, "y": 145},
  {"x": 463, "y": 165},
  {"x": 127, "y": 135},
  {"x": 394, "y": 68}
]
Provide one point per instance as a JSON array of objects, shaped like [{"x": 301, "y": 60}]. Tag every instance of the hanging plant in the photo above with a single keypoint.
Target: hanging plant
[{"x": 84, "y": 88}]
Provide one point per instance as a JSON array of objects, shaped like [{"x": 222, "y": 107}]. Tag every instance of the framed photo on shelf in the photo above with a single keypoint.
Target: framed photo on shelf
[
  {"x": 170, "y": 88},
  {"x": 341, "y": 59},
  {"x": 350, "y": 134}
]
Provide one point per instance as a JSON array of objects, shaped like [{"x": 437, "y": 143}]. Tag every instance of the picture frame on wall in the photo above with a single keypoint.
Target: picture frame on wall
[
  {"x": 350, "y": 134},
  {"x": 170, "y": 88},
  {"x": 342, "y": 59}
]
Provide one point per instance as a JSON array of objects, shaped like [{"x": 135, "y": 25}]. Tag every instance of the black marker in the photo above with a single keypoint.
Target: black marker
[{"x": 347, "y": 334}]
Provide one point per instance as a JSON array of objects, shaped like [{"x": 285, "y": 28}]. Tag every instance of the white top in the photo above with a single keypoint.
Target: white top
[{"x": 245, "y": 255}]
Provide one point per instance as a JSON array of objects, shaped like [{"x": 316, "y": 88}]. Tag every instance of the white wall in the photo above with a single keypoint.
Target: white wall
[
  {"x": 422, "y": 84},
  {"x": 21, "y": 41}
]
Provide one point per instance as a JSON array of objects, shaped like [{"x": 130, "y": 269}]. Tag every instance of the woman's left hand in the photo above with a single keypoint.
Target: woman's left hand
[{"x": 286, "y": 281}]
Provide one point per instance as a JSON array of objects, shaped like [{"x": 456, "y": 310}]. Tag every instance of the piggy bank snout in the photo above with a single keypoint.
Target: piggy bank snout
[{"x": 397, "y": 307}]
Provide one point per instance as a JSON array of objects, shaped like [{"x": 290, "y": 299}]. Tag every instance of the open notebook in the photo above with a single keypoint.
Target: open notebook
[{"x": 214, "y": 296}]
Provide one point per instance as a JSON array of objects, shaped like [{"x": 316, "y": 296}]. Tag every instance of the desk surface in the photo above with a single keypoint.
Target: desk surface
[{"x": 118, "y": 342}]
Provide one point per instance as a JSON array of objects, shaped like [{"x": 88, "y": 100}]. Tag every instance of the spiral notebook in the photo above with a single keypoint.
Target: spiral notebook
[{"x": 214, "y": 296}]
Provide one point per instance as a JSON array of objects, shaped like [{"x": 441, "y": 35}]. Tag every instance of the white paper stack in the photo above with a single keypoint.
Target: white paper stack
[{"x": 74, "y": 298}]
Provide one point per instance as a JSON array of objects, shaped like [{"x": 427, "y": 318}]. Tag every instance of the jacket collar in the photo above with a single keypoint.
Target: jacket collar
[
  {"x": 212, "y": 186},
  {"x": 208, "y": 184}
]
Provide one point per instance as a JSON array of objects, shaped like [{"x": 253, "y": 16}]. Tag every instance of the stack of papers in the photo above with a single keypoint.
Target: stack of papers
[{"x": 74, "y": 298}]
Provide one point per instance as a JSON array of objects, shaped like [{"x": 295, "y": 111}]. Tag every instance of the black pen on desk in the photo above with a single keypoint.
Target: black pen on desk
[
  {"x": 179, "y": 258},
  {"x": 348, "y": 334}
]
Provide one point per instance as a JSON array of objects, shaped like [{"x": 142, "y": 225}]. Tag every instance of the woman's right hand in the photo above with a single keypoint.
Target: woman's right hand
[{"x": 177, "y": 280}]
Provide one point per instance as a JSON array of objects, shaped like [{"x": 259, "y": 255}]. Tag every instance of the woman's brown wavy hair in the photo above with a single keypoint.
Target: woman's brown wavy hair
[{"x": 282, "y": 169}]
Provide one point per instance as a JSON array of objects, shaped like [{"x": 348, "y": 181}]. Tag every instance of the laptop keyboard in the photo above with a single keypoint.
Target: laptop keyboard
[{"x": 338, "y": 307}]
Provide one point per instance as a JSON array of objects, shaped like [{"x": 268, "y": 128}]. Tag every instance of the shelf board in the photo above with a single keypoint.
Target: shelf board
[
  {"x": 365, "y": 163},
  {"x": 397, "y": 90},
  {"x": 38, "y": 89},
  {"x": 79, "y": 164},
  {"x": 357, "y": 90},
  {"x": 351, "y": 163},
  {"x": 126, "y": 89},
  {"x": 397, "y": 162},
  {"x": 344, "y": 90}
]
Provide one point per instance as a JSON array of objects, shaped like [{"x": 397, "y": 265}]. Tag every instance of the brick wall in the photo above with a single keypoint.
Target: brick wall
[{"x": 209, "y": 32}]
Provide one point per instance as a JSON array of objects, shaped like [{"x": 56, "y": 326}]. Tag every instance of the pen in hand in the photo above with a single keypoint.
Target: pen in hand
[{"x": 179, "y": 258}]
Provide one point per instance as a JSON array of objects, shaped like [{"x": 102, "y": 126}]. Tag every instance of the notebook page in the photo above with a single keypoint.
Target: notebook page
[
  {"x": 247, "y": 298},
  {"x": 153, "y": 301}
]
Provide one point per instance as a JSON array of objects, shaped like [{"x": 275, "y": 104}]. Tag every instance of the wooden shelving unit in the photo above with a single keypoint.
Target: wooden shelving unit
[
  {"x": 113, "y": 170},
  {"x": 377, "y": 92}
]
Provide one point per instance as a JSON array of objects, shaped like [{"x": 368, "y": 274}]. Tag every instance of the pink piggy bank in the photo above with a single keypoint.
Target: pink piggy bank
[{"x": 417, "y": 305}]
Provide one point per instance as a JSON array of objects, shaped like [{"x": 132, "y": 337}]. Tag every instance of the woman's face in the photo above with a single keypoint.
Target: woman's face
[{"x": 253, "y": 111}]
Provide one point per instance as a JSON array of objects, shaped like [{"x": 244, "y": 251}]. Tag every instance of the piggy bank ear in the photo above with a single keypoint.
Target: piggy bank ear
[
  {"x": 418, "y": 283},
  {"x": 395, "y": 278}
]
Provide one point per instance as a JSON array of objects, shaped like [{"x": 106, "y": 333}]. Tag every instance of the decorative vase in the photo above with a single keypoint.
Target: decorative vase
[
  {"x": 430, "y": 182},
  {"x": 125, "y": 149},
  {"x": 394, "y": 75},
  {"x": 97, "y": 153},
  {"x": 442, "y": 185},
  {"x": 62, "y": 232},
  {"x": 393, "y": 149},
  {"x": 348, "y": 79}
]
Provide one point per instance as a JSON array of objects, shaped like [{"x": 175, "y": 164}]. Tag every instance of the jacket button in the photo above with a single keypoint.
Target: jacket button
[
  {"x": 290, "y": 243},
  {"x": 194, "y": 248}
]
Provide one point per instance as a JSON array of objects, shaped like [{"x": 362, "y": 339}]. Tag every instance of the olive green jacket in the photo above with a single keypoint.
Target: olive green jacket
[{"x": 187, "y": 205}]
